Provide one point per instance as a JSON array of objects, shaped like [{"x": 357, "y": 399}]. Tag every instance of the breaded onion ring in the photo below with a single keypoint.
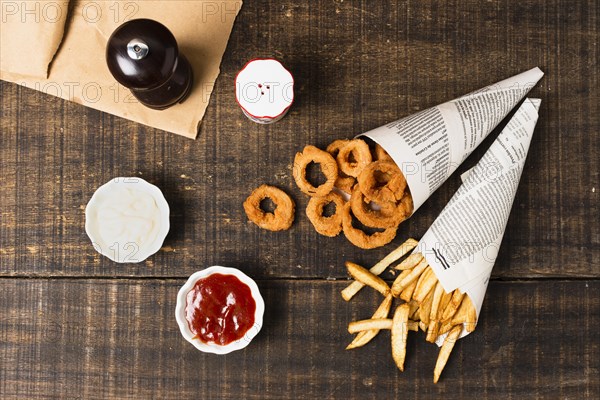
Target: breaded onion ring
[
  {"x": 359, "y": 238},
  {"x": 283, "y": 215},
  {"x": 328, "y": 226},
  {"x": 381, "y": 154},
  {"x": 357, "y": 149},
  {"x": 389, "y": 215},
  {"x": 407, "y": 204},
  {"x": 328, "y": 167},
  {"x": 335, "y": 146},
  {"x": 382, "y": 181},
  {"x": 343, "y": 182}
]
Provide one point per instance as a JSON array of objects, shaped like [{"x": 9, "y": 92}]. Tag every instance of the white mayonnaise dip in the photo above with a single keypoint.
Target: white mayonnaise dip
[{"x": 124, "y": 220}]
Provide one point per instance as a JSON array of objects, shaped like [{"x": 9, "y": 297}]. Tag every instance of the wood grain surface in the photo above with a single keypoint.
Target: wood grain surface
[
  {"x": 75, "y": 325},
  {"x": 98, "y": 339}
]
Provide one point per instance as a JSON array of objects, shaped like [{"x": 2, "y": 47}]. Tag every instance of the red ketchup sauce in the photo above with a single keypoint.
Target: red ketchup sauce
[{"x": 220, "y": 309}]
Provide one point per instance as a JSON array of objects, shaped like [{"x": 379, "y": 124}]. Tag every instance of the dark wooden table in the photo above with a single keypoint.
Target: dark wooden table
[{"x": 74, "y": 325}]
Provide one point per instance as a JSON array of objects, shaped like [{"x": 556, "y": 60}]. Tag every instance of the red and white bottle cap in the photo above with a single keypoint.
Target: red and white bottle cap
[{"x": 264, "y": 89}]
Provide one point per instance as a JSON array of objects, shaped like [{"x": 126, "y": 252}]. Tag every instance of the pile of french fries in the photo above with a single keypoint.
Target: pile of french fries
[{"x": 425, "y": 305}]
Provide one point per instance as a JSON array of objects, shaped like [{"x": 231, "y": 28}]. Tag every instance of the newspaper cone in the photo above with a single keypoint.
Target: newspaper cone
[
  {"x": 428, "y": 146},
  {"x": 462, "y": 244}
]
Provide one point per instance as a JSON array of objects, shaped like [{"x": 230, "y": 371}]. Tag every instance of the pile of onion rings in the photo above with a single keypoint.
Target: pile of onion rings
[{"x": 376, "y": 191}]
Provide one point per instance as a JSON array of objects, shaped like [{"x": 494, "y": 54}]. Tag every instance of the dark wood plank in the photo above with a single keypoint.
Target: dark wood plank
[
  {"x": 105, "y": 339},
  {"x": 357, "y": 65}
]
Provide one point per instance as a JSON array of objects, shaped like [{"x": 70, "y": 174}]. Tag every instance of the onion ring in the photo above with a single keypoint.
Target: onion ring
[
  {"x": 390, "y": 214},
  {"x": 359, "y": 238},
  {"x": 328, "y": 167},
  {"x": 381, "y": 154},
  {"x": 343, "y": 182},
  {"x": 358, "y": 149},
  {"x": 328, "y": 226},
  {"x": 335, "y": 146},
  {"x": 393, "y": 186},
  {"x": 283, "y": 215},
  {"x": 407, "y": 204}
]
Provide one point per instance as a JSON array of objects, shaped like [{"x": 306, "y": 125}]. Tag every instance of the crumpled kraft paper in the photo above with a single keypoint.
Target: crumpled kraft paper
[
  {"x": 30, "y": 33},
  {"x": 78, "y": 71}
]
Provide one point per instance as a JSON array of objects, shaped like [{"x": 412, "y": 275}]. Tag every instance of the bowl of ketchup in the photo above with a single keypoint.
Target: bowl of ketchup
[{"x": 219, "y": 310}]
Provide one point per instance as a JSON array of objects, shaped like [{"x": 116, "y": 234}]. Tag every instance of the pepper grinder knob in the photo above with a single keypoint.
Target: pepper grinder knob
[{"x": 142, "y": 55}]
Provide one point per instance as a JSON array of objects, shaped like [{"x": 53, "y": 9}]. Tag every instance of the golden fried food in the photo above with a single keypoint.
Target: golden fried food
[
  {"x": 343, "y": 182},
  {"x": 366, "y": 277},
  {"x": 382, "y": 181},
  {"x": 381, "y": 154},
  {"x": 328, "y": 166},
  {"x": 388, "y": 215},
  {"x": 283, "y": 215},
  {"x": 360, "y": 238},
  {"x": 425, "y": 305},
  {"x": 327, "y": 226},
  {"x": 365, "y": 337},
  {"x": 379, "y": 198},
  {"x": 381, "y": 266},
  {"x": 354, "y": 157}
]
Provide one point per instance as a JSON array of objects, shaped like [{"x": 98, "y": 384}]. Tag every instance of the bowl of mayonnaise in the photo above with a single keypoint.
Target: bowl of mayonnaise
[{"x": 127, "y": 219}]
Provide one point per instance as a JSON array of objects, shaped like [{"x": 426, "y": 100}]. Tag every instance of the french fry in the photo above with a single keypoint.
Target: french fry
[
  {"x": 369, "y": 324},
  {"x": 446, "y": 297},
  {"x": 415, "y": 273},
  {"x": 465, "y": 314},
  {"x": 437, "y": 299},
  {"x": 432, "y": 331},
  {"x": 455, "y": 301},
  {"x": 471, "y": 315},
  {"x": 460, "y": 316},
  {"x": 427, "y": 285},
  {"x": 414, "y": 309},
  {"x": 410, "y": 262},
  {"x": 350, "y": 291},
  {"x": 408, "y": 291},
  {"x": 399, "y": 335},
  {"x": 449, "y": 317},
  {"x": 425, "y": 308},
  {"x": 413, "y": 326},
  {"x": 365, "y": 277},
  {"x": 445, "y": 327},
  {"x": 434, "y": 323},
  {"x": 445, "y": 352},
  {"x": 365, "y": 337},
  {"x": 401, "y": 276},
  {"x": 419, "y": 281}
]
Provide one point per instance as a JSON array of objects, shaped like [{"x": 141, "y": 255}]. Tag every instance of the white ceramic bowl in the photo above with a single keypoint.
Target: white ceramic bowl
[
  {"x": 213, "y": 347},
  {"x": 126, "y": 252}
]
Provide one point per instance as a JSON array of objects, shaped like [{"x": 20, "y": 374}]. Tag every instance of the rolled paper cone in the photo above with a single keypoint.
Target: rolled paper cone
[
  {"x": 428, "y": 146},
  {"x": 264, "y": 89},
  {"x": 462, "y": 244}
]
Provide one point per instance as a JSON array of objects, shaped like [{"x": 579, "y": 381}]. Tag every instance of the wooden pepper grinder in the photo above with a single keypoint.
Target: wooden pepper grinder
[{"x": 143, "y": 56}]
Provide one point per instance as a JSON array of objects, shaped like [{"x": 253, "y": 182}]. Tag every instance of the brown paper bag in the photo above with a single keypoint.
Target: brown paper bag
[{"x": 79, "y": 72}]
